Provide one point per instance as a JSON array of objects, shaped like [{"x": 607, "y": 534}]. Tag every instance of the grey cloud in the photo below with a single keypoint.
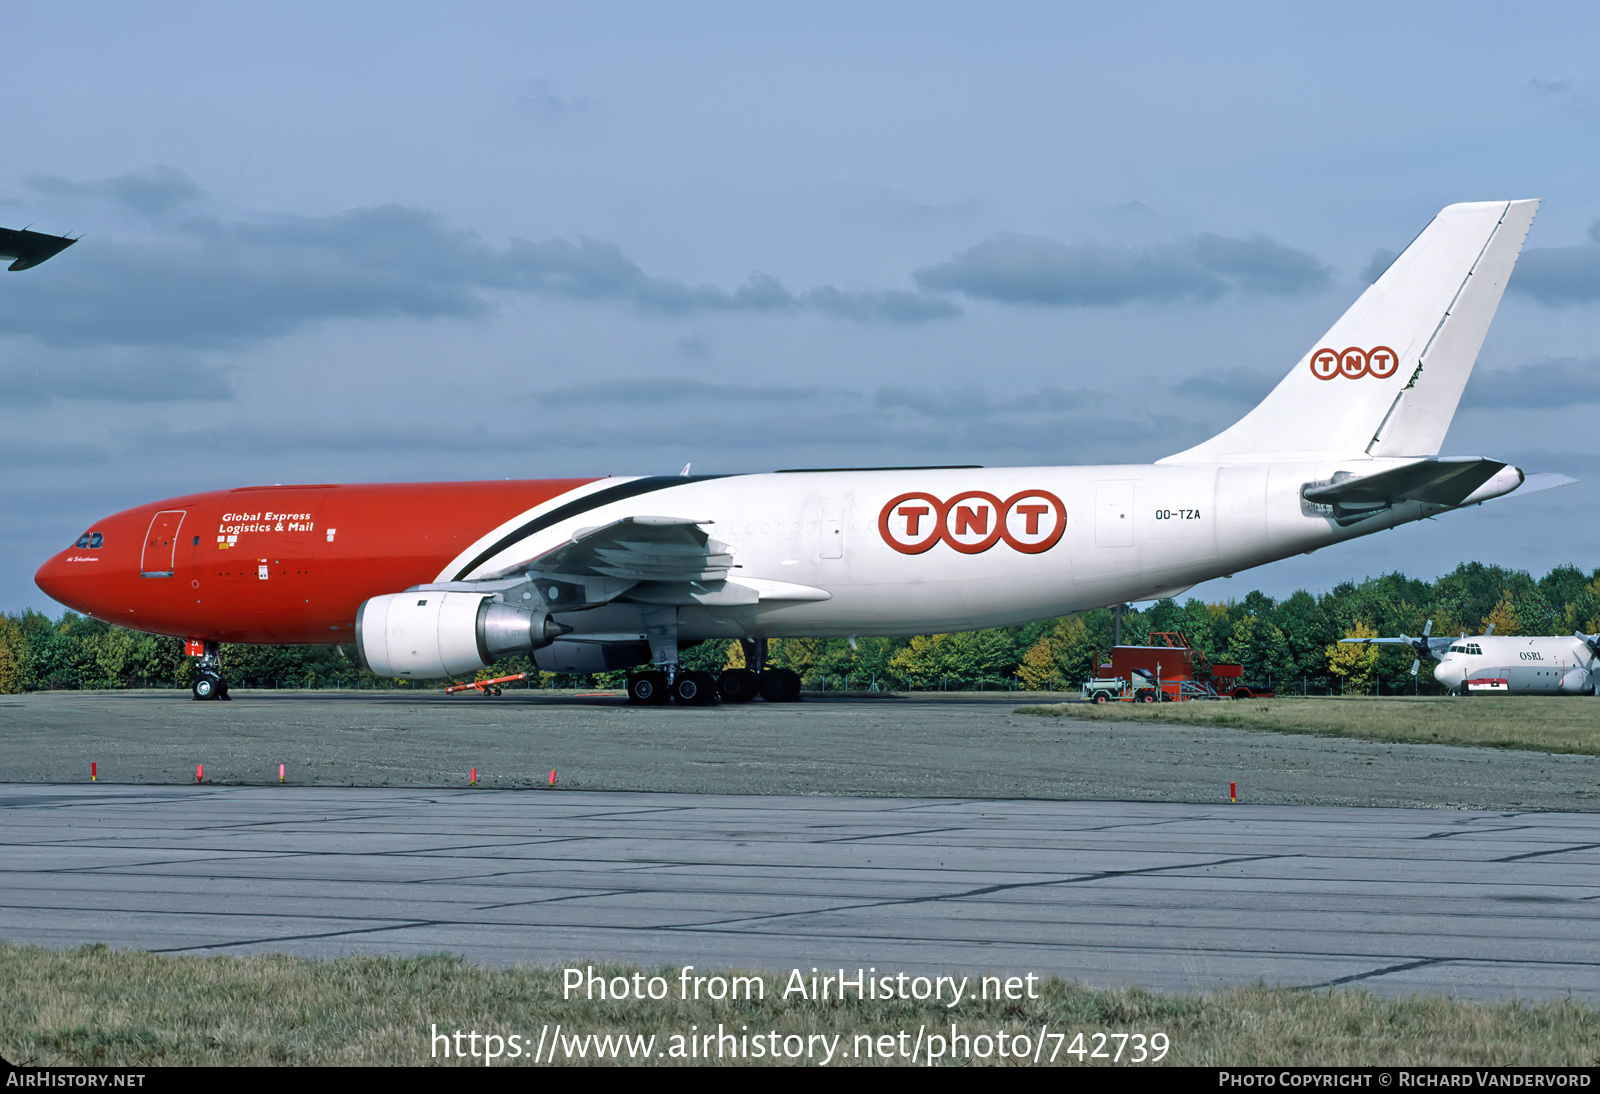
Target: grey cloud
[
  {"x": 1550, "y": 87},
  {"x": 1258, "y": 264},
  {"x": 729, "y": 428},
  {"x": 891, "y": 306},
  {"x": 1561, "y": 275},
  {"x": 970, "y": 403},
  {"x": 692, "y": 345},
  {"x": 209, "y": 283},
  {"x": 1564, "y": 382},
  {"x": 154, "y": 194},
  {"x": 1233, "y": 386},
  {"x": 588, "y": 269},
  {"x": 31, "y": 374},
  {"x": 653, "y": 391},
  {"x": 206, "y": 281},
  {"x": 19, "y": 454},
  {"x": 541, "y": 97},
  {"x": 1018, "y": 269}
]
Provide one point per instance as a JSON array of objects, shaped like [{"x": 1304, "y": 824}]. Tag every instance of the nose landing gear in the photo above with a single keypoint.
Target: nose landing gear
[{"x": 211, "y": 684}]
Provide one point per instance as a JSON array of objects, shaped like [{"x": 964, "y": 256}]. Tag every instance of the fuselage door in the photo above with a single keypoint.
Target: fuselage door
[{"x": 160, "y": 543}]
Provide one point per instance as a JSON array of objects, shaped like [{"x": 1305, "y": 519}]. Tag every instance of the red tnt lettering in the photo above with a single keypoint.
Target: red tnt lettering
[
  {"x": 971, "y": 520},
  {"x": 913, "y": 515},
  {"x": 1382, "y": 362},
  {"x": 1032, "y": 513}
]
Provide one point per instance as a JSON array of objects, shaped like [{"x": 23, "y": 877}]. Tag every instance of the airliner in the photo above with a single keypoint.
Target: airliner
[
  {"x": 1506, "y": 664},
  {"x": 439, "y": 580}
]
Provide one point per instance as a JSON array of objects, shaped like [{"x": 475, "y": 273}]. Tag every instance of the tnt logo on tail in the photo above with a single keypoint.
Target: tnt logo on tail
[{"x": 1353, "y": 363}]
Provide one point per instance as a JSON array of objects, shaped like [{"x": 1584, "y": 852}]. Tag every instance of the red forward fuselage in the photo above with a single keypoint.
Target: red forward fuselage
[{"x": 284, "y": 564}]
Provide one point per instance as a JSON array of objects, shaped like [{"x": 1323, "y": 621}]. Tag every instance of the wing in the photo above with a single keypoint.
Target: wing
[
  {"x": 643, "y": 559},
  {"x": 30, "y": 248},
  {"x": 656, "y": 549}
]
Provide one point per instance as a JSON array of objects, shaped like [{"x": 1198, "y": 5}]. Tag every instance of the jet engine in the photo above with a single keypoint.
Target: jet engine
[{"x": 430, "y": 635}]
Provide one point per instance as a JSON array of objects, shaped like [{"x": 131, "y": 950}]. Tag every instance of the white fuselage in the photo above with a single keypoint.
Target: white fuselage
[
  {"x": 1551, "y": 665},
  {"x": 1131, "y": 533}
]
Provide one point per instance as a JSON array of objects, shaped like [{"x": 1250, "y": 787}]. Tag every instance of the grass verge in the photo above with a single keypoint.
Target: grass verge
[
  {"x": 99, "y": 1006},
  {"x": 1543, "y": 724}
]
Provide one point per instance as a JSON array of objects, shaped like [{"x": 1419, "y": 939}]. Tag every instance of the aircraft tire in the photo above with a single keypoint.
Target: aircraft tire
[
  {"x": 206, "y": 688},
  {"x": 780, "y": 686},
  {"x": 648, "y": 689},
  {"x": 695, "y": 689},
  {"x": 738, "y": 686}
]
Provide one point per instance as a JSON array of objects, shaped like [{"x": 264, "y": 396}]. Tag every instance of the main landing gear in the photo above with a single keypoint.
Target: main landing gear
[
  {"x": 211, "y": 684},
  {"x": 653, "y": 687}
]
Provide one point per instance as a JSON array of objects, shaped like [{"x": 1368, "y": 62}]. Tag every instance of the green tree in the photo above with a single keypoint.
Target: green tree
[
  {"x": 1355, "y": 663},
  {"x": 11, "y": 646},
  {"x": 1259, "y": 646}
]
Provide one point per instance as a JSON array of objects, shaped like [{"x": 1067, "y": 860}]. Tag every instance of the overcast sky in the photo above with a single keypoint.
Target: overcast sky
[{"x": 395, "y": 242}]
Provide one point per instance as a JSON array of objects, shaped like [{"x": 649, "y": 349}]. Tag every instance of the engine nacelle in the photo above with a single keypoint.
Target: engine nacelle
[
  {"x": 1577, "y": 682},
  {"x": 432, "y": 635}
]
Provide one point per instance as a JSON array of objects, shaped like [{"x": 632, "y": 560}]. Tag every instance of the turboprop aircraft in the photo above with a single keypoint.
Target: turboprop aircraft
[
  {"x": 436, "y": 580},
  {"x": 1508, "y": 664}
]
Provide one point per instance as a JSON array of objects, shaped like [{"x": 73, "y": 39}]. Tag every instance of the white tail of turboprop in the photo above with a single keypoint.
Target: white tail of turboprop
[{"x": 1384, "y": 382}]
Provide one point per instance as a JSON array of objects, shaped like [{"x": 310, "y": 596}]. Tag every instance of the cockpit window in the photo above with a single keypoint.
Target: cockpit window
[
  {"x": 89, "y": 540},
  {"x": 95, "y": 540},
  {"x": 83, "y": 540}
]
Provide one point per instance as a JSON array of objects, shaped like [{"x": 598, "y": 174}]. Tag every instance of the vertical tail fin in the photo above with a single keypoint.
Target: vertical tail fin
[{"x": 1386, "y": 379}]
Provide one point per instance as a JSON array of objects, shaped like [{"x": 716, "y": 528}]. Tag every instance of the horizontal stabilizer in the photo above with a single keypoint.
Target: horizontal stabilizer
[
  {"x": 30, "y": 248},
  {"x": 1445, "y": 481}
]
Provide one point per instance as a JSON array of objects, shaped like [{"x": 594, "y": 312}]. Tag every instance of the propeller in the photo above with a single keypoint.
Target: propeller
[
  {"x": 1416, "y": 662},
  {"x": 1590, "y": 640}
]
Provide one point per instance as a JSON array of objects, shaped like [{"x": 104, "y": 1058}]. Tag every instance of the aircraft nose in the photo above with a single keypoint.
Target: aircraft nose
[
  {"x": 64, "y": 580},
  {"x": 76, "y": 576},
  {"x": 1449, "y": 675},
  {"x": 53, "y": 577}
]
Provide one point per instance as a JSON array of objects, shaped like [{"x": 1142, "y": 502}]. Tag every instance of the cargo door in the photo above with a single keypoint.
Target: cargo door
[
  {"x": 161, "y": 543},
  {"x": 830, "y": 529},
  {"x": 1113, "y": 514}
]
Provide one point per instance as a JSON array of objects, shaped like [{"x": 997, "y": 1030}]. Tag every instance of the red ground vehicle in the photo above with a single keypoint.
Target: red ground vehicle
[{"x": 1177, "y": 669}]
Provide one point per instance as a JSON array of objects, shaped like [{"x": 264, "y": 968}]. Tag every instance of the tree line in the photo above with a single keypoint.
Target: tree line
[{"x": 1293, "y": 643}]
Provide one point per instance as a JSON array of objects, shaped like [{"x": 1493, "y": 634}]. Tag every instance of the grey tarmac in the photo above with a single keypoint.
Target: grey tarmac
[
  {"x": 1470, "y": 903},
  {"x": 921, "y": 747},
  {"x": 937, "y": 835}
]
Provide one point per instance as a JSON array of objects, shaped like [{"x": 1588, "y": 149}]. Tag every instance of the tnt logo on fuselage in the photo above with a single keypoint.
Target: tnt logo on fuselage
[
  {"x": 1030, "y": 521},
  {"x": 1379, "y": 362}
]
